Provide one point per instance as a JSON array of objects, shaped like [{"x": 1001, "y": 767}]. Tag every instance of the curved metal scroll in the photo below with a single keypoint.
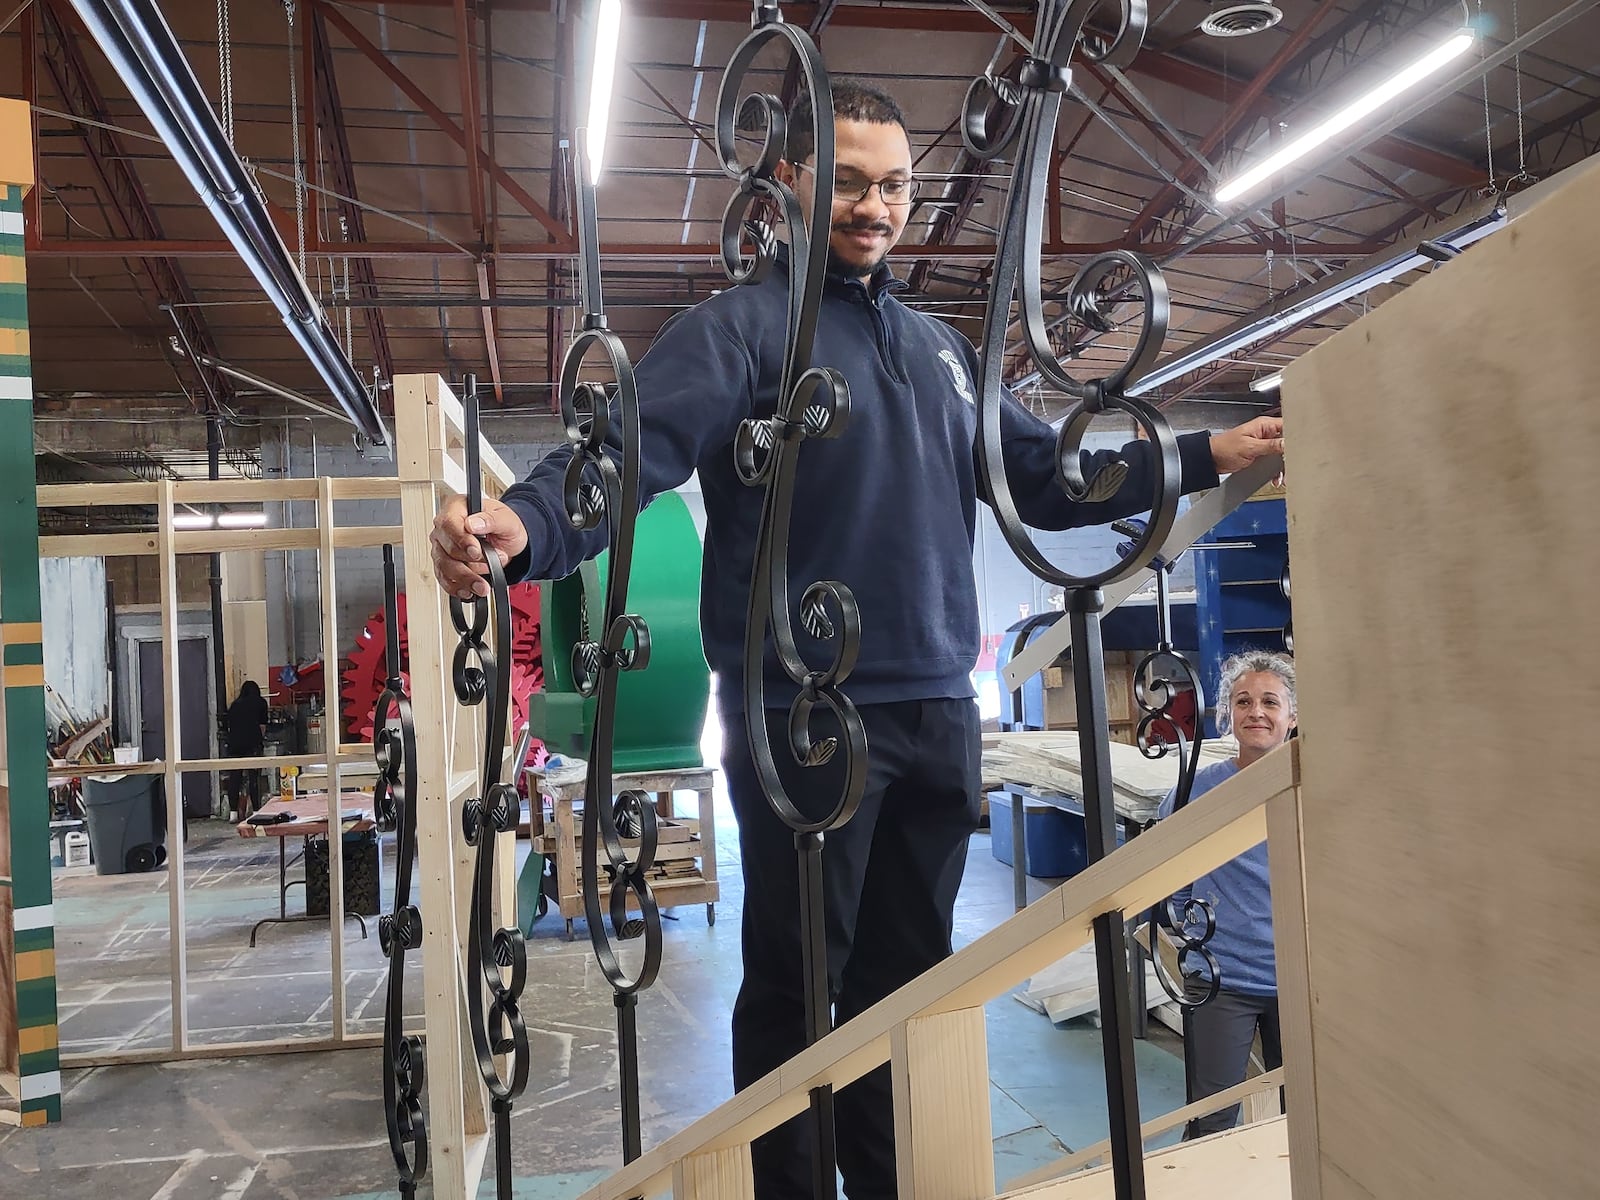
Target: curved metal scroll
[
  {"x": 813, "y": 402},
  {"x": 1015, "y": 115},
  {"x": 399, "y": 930},
  {"x": 1158, "y": 680},
  {"x": 1284, "y": 589},
  {"x": 600, "y": 487},
  {"x": 481, "y": 674}
]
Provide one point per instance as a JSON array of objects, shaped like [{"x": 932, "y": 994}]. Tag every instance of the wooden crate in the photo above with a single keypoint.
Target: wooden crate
[{"x": 1061, "y": 703}]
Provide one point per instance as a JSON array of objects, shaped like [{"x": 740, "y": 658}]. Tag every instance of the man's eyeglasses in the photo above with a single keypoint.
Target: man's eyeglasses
[{"x": 849, "y": 188}]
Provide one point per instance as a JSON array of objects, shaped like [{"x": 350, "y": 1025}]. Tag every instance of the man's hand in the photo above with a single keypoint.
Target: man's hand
[
  {"x": 1242, "y": 445},
  {"x": 457, "y": 555}
]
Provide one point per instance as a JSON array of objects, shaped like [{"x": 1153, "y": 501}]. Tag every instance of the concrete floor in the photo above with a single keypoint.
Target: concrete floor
[{"x": 311, "y": 1126}]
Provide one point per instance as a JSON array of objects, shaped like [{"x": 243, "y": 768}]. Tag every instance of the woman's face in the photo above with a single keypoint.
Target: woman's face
[{"x": 1262, "y": 713}]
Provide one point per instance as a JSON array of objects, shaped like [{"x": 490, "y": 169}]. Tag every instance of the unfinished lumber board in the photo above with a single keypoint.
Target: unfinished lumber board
[
  {"x": 1050, "y": 762},
  {"x": 944, "y": 1138},
  {"x": 1070, "y": 987},
  {"x": 1249, "y": 1163},
  {"x": 1250, "y": 1088},
  {"x": 717, "y": 1175},
  {"x": 177, "y": 888},
  {"x": 1442, "y": 507}
]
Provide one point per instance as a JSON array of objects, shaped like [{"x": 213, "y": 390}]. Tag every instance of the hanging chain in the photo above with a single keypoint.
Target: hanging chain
[
  {"x": 349, "y": 324},
  {"x": 294, "y": 134},
  {"x": 1516, "y": 69},
  {"x": 1488, "y": 124},
  {"x": 225, "y": 67}
]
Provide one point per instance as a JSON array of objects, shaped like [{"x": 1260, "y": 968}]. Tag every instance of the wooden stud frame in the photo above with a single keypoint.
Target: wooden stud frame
[{"x": 166, "y": 543}]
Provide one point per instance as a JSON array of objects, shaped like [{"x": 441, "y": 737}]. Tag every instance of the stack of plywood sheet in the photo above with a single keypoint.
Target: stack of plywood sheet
[{"x": 1050, "y": 762}]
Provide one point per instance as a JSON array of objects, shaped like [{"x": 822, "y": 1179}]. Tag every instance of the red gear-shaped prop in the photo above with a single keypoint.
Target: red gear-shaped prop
[{"x": 362, "y": 681}]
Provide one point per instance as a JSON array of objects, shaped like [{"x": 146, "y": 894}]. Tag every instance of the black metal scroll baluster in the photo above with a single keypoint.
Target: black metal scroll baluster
[
  {"x": 1157, "y": 681},
  {"x": 599, "y": 488},
  {"x": 481, "y": 674},
  {"x": 1017, "y": 115},
  {"x": 813, "y": 402},
  {"x": 399, "y": 930}
]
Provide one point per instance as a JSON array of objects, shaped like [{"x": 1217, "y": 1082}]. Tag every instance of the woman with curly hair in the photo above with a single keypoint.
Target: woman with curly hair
[{"x": 1256, "y": 704}]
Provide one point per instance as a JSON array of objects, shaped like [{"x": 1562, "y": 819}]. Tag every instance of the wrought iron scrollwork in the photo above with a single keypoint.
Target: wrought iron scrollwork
[
  {"x": 1288, "y": 626},
  {"x": 400, "y": 929},
  {"x": 1014, "y": 114},
  {"x": 1018, "y": 116},
  {"x": 497, "y": 959},
  {"x": 1158, "y": 680},
  {"x": 813, "y": 402},
  {"x": 602, "y": 488}
]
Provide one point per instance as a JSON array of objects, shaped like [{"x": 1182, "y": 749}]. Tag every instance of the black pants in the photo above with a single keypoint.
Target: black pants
[
  {"x": 890, "y": 878},
  {"x": 1220, "y": 1035},
  {"x": 238, "y": 781}
]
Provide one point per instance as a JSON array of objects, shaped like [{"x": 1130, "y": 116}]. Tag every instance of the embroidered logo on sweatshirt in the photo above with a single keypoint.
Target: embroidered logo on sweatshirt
[{"x": 958, "y": 373}]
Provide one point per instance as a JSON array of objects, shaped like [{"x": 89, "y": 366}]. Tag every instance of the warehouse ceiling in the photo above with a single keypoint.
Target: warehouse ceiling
[{"x": 437, "y": 251}]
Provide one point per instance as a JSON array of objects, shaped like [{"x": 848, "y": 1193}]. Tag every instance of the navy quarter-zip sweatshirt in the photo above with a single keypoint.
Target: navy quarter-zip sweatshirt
[{"x": 889, "y": 507}]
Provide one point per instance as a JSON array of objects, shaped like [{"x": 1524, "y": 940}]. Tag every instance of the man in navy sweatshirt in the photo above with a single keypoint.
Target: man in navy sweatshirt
[{"x": 889, "y": 508}]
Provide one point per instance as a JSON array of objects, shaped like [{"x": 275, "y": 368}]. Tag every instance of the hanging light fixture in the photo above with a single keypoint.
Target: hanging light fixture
[
  {"x": 602, "y": 77},
  {"x": 1363, "y": 106}
]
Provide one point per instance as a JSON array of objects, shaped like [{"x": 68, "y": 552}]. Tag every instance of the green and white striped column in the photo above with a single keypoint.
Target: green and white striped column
[{"x": 31, "y": 926}]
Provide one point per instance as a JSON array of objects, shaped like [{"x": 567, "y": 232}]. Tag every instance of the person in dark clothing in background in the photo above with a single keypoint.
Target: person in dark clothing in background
[
  {"x": 890, "y": 509},
  {"x": 244, "y": 736}
]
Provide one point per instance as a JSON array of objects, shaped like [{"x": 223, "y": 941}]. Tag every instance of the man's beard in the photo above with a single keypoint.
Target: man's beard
[{"x": 850, "y": 270}]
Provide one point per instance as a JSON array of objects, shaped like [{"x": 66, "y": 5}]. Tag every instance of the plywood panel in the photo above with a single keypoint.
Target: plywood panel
[{"x": 1442, "y": 501}]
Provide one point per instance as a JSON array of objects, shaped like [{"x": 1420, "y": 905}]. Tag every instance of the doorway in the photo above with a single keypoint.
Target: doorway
[{"x": 195, "y": 718}]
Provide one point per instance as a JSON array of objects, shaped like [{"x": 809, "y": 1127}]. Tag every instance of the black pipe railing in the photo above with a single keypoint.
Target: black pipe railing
[{"x": 136, "y": 39}]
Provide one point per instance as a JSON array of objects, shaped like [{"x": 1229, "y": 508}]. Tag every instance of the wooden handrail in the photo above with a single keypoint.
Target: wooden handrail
[{"x": 1177, "y": 851}]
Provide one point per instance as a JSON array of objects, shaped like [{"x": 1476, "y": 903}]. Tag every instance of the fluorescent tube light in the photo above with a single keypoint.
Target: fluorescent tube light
[
  {"x": 242, "y": 520},
  {"x": 187, "y": 520},
  {"x": 1405, "y": 79},
  {"x": 1352, "y": 282},
  {"x": 607, "y": 32},
  {"x": 1267, "y": 383}
]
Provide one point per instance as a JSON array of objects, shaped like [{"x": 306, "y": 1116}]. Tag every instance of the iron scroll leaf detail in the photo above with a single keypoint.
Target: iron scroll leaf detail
[
  {"x": 813, "y": 402},
  {"x": 400, "y": 929},
  {"x": 1016, "y": 114},
  {"x": 497, "y": 962},
  {"x": 602, "y": 486}
]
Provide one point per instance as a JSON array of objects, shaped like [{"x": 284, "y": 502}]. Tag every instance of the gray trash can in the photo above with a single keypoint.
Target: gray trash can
[{"x": 127, "y": 822}]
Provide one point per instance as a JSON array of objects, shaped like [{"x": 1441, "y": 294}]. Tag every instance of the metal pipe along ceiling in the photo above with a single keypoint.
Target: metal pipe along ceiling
[{"x": 140, "y": 45}]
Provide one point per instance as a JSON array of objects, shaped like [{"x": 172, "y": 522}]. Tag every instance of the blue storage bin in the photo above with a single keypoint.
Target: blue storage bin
[{"x": 1053, "y": 840}]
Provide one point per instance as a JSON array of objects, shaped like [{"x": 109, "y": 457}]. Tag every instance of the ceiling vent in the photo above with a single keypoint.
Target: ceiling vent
[{"x": 1241, "y": 20}]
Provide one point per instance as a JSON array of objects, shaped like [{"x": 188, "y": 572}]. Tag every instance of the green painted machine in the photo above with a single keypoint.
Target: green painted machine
[{"x": 661, "y": 710}]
